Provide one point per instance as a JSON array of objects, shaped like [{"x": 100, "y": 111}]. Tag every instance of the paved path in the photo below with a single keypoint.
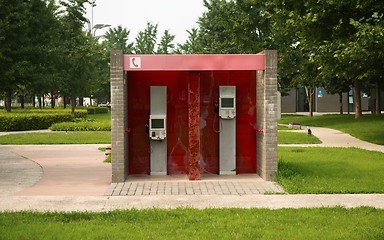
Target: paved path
[
  {"x": 335, "y": 138},
  {"x": 74, "y": 178},
  {"x": 67, "y": 170},
  {"x": 105, "y": 203},
  {"x": 17, "y": 173},
  {"x": 245, "y": 184},
  {"x": 31, "y": 131}
]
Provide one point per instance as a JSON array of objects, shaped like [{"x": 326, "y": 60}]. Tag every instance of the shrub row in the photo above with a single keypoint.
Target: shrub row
[
  {"x": 79, "y": 113},
  {"x": 31, "y": 121},
  {"x": 36, "y": 119},
  {"x": 81, "y": 126},
  {"x": 95, "y": 110}
]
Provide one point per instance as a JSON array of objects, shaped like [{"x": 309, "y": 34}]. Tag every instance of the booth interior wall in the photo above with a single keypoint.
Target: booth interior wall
[
  {"x": 245, "y": 82},
  {"x": 177, "y": 119}
]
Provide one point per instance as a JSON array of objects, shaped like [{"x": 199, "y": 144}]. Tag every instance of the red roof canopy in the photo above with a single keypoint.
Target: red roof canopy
[{"x": 194, "y": 62}]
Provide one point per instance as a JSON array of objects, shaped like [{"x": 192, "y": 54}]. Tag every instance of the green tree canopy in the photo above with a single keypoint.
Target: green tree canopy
[
  {"x": 146, "y": 40},
  {"x": 166, "y": 45}
]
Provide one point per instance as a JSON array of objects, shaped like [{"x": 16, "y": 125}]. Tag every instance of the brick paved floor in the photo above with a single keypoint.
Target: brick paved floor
[{"x": 180, "y": 185}]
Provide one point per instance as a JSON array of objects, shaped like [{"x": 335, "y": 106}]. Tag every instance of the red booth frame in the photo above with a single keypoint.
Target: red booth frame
[{"x": 265, "y": 67}]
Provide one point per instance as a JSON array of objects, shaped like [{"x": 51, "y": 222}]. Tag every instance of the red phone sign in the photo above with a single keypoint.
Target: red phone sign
[{"x": 135, "y": 62}]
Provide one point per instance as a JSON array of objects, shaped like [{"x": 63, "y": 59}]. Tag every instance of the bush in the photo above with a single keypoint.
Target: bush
[
  {"x": 81, "y": 126},
  {"x": 36, "y": 119},
  {"x": 81, "y": 113},
  {"x": 95, "y": 110},
  {"x": 31, "y": 121}
]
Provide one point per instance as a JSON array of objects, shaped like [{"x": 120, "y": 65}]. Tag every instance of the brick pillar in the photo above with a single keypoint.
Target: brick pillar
[
  {"x": 119, "y": 117},
  {"x": 194, "y": 126},
  {"x": 266, "y": 94}
]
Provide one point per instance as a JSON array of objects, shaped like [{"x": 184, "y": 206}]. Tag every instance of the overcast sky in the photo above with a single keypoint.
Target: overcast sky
[{"x": 174, "y": 15}]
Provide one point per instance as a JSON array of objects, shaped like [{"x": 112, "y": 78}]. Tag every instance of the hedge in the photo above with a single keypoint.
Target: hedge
[
  {"x": 95, "y": 110},
  {"x": 22, "y": 122},
  {"x": 81, "y": 126},
  {"x": 36, "y": 119}
]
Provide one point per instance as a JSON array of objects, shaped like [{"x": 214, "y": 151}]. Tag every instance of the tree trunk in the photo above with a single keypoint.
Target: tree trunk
[
  {"x": 348, "y": 103},
  {"x": 310, "y": 103},
  {"x": 65, "y": 102},
  {"x": 40, "y": 103},
  {"x": 81, "y": 101},
  {"x": 341, "y": 102},
  {"x": 8, "y": 101},
  {"x": 357, "y": 96},
  {"x": 310, "y": 94},
  {"x": 33, "y": 101},
  {"x": 73, "y": 102},
  {"x": 53, "y": 103},
  {"x": 22, "y": 101},
  {"x": 378, "y": 98}
]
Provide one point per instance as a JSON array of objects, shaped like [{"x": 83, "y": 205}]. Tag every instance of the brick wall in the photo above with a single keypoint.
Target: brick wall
[
  {"x": 266, "y": 94},
  {"x": 119, "y": 117}
]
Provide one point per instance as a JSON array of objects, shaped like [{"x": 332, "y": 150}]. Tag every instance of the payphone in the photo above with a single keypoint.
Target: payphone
[
  {"x": 227, "y": 102},
  {"x": 227, "y": 135},
  {"x": 158, "y": 130},
  {"x": 157, "y": 127}
]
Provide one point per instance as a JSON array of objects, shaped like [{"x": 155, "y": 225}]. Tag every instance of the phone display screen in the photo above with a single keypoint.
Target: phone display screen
[
  {"x": 227, "y": 103},
  {"x": 157, "y": 123}
]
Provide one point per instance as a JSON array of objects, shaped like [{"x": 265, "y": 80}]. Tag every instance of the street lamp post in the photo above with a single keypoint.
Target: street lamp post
[
  {"x": 93, "y": 4},
  {"x": 99, "y": 26},
  {"x": 93, "y": 28}
]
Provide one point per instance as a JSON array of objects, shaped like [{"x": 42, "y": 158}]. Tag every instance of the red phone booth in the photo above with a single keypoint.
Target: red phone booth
[{"x": 194, "y": 114}]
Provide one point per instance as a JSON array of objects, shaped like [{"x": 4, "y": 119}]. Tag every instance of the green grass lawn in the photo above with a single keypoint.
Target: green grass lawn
[
  {"x": 280, "y": 127},
  {"x": 94, "y": 122},
  {"x": 87, "y": 137},
  {"x": 100, "y": 117},
  {"x": 296, "y": 138},
  {"x": 318, "y": 223},
  {"x": 83, "y": 137},
  {"x": 368, "y": 128},
  {"x": 70, "y": 137},
  {"x": 330, "y": 170}
]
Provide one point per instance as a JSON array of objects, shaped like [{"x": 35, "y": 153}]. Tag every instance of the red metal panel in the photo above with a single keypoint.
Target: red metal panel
[
  {"x": 194, "y": 126},
  {"x": 198, "y": 136},
  {"x": 194, "y": 62},
  {"x": 209, "y": 122},
  {"x": 177, "y": 120},
  {"x": 245, "y": 82},
  {"x": 138, "y": 115}
]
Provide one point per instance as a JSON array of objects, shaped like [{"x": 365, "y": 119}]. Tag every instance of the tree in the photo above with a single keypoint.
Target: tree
[
  {"x": 77, "y": 56},
  {"x": 13, "y": 62},
  {"x": 166, "y": 46},
  {"x": 234, "y": 27},
  {"x": 192, "y": 45},
  {"x": 43, "y": 32},
  {"x": 368, "y": 48},
  {"x": 146, "y": 40},
  {"x": 328, "y": 33},
  {"x": 117, "y": 39}
]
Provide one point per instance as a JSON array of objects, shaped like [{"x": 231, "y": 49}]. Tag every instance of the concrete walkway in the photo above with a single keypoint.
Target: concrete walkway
[
  {"x": 334, "y": 138},
  {"x": 74, "y": 178},
  {"x": 244, "y": 184},
  {"x": 105, "y": 203},
  {"x": 64, "y": 170}
]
